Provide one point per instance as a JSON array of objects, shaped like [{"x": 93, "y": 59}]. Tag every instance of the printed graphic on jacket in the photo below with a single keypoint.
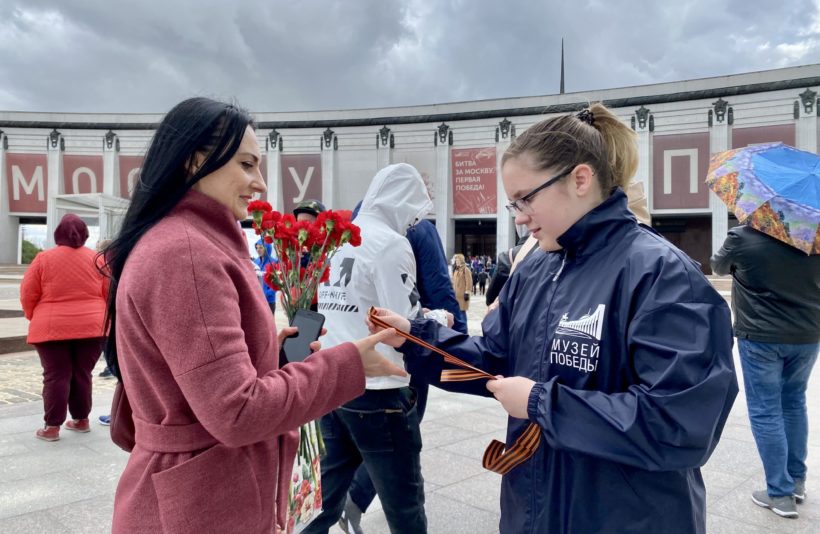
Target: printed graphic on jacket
[
  {"x": 333, "y": 296},
  {"x": 576, "y": 342}
]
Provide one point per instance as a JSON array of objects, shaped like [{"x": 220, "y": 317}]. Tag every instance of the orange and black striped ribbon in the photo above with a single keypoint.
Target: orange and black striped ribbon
[{"x": 497, "y": 458}]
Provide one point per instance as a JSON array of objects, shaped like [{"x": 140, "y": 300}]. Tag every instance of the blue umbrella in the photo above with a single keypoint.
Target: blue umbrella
[{"x": 774, "y": 188}]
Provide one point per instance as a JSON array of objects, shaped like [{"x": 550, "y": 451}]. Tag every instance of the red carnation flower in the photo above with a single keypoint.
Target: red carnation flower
[
  {"x": 259, "y": 206},
  {"x": 325, "y": 275}
]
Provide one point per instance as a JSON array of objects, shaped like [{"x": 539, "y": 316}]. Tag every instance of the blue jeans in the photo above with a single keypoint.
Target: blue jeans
[
  {"x": 775, "y": 376},
  {"x": 362, "y": 490},
  {"x": 379, "y": 429}
]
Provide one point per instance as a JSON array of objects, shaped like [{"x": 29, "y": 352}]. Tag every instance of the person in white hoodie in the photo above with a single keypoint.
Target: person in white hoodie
[{"x": 381, "y": 427}]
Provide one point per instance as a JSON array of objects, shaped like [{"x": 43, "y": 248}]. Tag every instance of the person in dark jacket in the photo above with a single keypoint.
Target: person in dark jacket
[
  {"x": 264, "y": 252},
  {"x": 503, "y": 265},
  {"x": 608, "y": 339},
  {"x": 776, "y": 301}
]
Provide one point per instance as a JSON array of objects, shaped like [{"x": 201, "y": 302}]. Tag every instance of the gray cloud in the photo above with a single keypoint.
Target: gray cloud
[{"x": 117, "y": 56}]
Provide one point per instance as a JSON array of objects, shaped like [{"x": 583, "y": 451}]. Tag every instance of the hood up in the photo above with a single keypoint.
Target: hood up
[
  {"x": 398, "y": 196},
  {"x": 71, "y": 232}
]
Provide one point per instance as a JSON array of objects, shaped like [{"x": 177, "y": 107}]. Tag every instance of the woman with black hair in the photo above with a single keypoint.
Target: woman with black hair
[{"x": 195, "y": 345}]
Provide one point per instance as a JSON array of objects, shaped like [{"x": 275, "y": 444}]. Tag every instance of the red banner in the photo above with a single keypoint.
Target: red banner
[
  {"x": 27, "y": 179},
  {"x": 130, "y": 167},
  {"x": 474, "y": 181},
  {"x": 82, "y": 174},
  {"x": 301, "y": 179}
]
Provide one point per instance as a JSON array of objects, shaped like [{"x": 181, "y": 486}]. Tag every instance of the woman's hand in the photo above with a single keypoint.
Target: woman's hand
[
  {"x": 374, "y": 363},
  {"x": 513, "y": 393},
  {"x": 393, "y": 319},
  {"x": 291, "y": 330}
]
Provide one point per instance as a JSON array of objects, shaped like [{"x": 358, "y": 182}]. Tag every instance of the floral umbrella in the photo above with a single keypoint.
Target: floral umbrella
[{"x": 773, "y": 188}]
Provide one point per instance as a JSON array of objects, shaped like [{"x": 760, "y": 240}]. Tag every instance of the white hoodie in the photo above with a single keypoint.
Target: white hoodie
[{"x": 382, "y": 271}]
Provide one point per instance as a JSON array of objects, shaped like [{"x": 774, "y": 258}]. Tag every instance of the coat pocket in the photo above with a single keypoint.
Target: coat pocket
[{"x": 215, "y": 491}]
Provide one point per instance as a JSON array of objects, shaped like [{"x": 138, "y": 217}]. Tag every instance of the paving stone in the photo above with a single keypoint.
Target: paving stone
[
  {"x": 436, "y": 434},
  {"x": 36, "y": 522},
  {"x": 91, "y": 516},
  {"x": 482, "y": 421},
  {"x": 42, "y": 493},
  {"x": 735, "y": 456},
  {"x": 474, "y": 447},
  {"x": 737, "y": 505},
  {"x": 445, "y": 468},
  {"x": 482, "y": 491}
]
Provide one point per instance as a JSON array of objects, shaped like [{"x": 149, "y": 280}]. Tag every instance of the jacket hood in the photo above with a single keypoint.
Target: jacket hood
[
  {"x": 268, "y": 248},
  {"x": 397, "y": 195},
  {"x": 71, "y": 232}
]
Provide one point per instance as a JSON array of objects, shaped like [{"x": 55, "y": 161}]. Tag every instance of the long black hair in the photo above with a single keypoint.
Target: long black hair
[{"x": 197, "y": 127}]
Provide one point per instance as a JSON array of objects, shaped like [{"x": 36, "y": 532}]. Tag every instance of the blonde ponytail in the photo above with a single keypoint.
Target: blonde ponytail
[
  {"x": 594, "y": 136},
  {"x": 621, "y": 145}
]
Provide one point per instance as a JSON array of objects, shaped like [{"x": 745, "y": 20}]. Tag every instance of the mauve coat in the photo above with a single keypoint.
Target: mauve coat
[{"x": 199, "y": 357}]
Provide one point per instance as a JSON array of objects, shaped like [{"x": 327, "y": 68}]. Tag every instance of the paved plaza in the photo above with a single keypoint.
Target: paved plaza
[{"x": 68, "y": 486}]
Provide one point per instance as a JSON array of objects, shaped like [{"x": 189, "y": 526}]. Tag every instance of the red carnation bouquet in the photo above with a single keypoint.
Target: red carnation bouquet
[{"x": 304, "y": 250}]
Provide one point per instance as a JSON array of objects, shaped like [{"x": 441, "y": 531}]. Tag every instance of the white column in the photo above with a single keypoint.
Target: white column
[
  {"x": 273, "y": 151},
  {"x": 504, "y": 226},
  {"x": 111, "y": 181},
  {"x": 384, "y": 148},
  {"x": 807, "y": 121},
  {"x": 9, "y": 226},
  {"x": 56, "y": 146},
  {"x": 720, "y": 139},
  {"x": 644, "y": 126},
  {"x": 330, "y": 144},
  {"x": 111, "y": 167},
  {"x": 443, "y": 201}
]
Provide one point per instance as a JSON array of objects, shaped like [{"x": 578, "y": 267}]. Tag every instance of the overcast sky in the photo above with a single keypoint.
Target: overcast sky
[{"x": 274, "y": 55}]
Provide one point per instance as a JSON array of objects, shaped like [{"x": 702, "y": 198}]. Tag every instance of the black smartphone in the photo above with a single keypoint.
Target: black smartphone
[{"x": 297, "y": 346}]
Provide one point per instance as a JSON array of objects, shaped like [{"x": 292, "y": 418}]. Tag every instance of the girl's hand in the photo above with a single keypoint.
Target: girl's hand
[{"x": 513, "y": 393}]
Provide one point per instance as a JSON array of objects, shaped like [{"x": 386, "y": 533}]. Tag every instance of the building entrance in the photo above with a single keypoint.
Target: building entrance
[
  {"x": 693, "y": 235},
  {"x": 475, "y": 237}
]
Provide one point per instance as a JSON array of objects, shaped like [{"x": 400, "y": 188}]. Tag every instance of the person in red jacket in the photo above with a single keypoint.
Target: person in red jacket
[{"x": 63, "y": 295}]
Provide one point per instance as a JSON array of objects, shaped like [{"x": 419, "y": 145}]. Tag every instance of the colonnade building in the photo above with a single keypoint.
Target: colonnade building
[{"x": 52, "y": 163}]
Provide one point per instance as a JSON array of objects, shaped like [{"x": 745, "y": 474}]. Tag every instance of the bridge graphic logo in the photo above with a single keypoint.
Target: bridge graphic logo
[{"x": 588, "y": 326}]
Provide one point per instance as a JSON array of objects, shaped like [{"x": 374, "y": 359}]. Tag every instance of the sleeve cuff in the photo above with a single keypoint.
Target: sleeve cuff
[
  {"x": 408, "y": 348},
  {"x": 534, "y": 401}
]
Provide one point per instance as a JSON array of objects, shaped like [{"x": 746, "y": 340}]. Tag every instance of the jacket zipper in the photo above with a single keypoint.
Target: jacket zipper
[
  {"x": 561, "y": 268},
  {"x": 545, "y": 348}
]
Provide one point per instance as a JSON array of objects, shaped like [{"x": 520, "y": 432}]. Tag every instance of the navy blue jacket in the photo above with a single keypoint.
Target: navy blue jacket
[
  {"x": 631, "y": 351},
  {"x": 432, "y": 276}
]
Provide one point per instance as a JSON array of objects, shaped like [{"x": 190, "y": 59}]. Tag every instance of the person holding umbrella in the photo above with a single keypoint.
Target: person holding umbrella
[{"x": 776, "y": 303}]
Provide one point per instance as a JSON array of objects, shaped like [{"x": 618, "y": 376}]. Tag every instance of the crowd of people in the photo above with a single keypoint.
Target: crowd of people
[{"x": 607, "y": 347}]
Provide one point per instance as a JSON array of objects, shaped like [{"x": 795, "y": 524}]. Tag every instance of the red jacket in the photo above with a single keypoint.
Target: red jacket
[
  {"x": 63, "y": 295},
  {"x": 199, "y": 357}
]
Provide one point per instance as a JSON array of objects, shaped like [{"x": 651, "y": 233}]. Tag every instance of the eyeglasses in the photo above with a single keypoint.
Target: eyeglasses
[{"x": 522, "y": 205}]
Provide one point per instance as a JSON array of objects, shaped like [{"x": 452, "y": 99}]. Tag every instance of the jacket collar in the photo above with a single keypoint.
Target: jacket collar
[
  {"x": 214, "y": 220},
  {"x": 600, "y": 227}
]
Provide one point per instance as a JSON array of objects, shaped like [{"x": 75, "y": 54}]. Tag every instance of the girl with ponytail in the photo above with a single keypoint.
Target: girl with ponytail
[{"x": 608, "y": 339}]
